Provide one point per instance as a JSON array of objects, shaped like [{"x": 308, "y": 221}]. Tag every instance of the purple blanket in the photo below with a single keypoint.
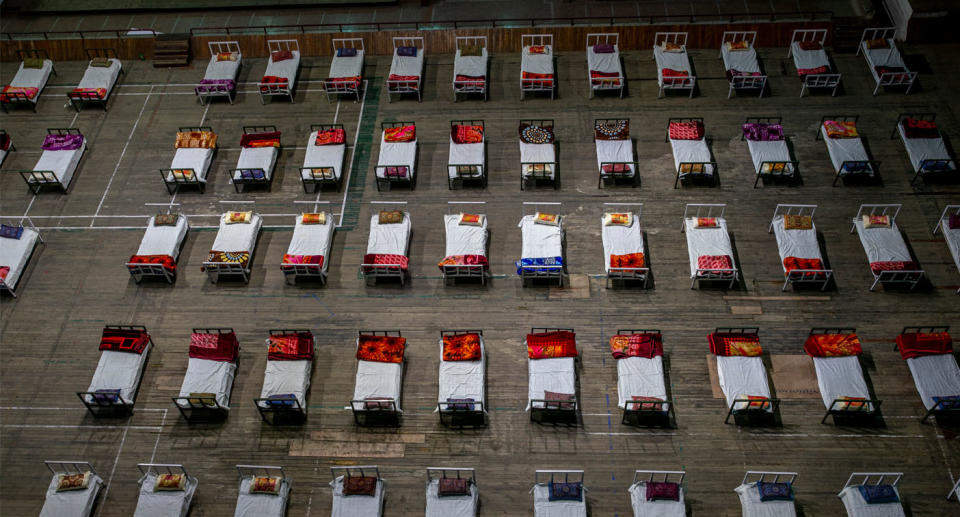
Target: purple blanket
[
  {"x": 62, "y": 142},
  {"x": 214, "y": 85},
  {"x": 763, "y": 132}
]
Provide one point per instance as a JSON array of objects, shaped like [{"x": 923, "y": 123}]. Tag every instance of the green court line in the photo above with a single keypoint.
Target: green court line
[{"x": 361, "y": 156}]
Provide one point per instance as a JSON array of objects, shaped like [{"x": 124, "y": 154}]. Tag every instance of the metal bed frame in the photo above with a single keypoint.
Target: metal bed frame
[
  {"x": 955, "y": 491},
  {"x": 254, "y": 177},
  {"x": 117, "y": 408},
  {"x": 944, "y": 215},
  {"x": 411, "y": 177},
  {"x": 627, "y": 274},
  {"x": 265, "y": 471},
  {"x": 768, "y": 407},
  {"x": 789, "y": 166},
  {"x": 454, "y": 414},
  {"x": 384, "y": 413},
  {"x": 20, "y": 98},
  {"x": 69, "y": 467},
  {"x": 543, "y": 272},
  {"x": 139, "y": 271},
  {"x": 942, "y": 407},
  {"x": 798, "y": 276},
  {"x": 888, "y": 79},
  {"x": 468, "y": 87},
  {"x": 743, "y": 82},
  {"x": 294, "y": 272},
  {"x": 868, "y": 167},
  {"x": 540, "y": 175},
  {"x": 206, "y": 409},
  {"x": 12, "y": 290},
  {"x": 37, "y": 180},
  {"x": 911, "y": 277},
  {"x": 621, "y": 170},
  {"x": 538, "y": 85},
  {"x": 441, "y": 473},
  {"x": 218, "y": 90},
  {"x": 853, "y": 409},
  {"x": 173, "y": 182},
  {"x": 359, "y": 469},
  {"x": 10, "y": 149},
  {"x": 688, "y": 82},
  {"x": 275, "y": 89},
  {"x": 554, "y": 475},
  {"x": 605, "y": 83},
  {"x": 935, "y": 166},
  {"x": 328, "y": 174},
  {"x": 703, "y": 165},
  {"x": 76, "y": 99},
  {"x": 864, "y": 478},
  {"x": 811, "y": 81},
  {"x": 286, "y": 410},
  {"x": 761, "y": 475},
  {"x": 164, "y": 468},
  {"x": 340, "y": 87},
  {"x": 451, "y": 273},
  {"x": 216, "y": 269},
  {"x": 712, "y": 274},
  {"x": 469, "y": 171},
  {"x": 654, "y": 415},
  {"x": 651, "y": 476},
  {"x": 371, "y": 273},
  {"x": 402, "y": 87},
  {"x": 557, "y": 412}
]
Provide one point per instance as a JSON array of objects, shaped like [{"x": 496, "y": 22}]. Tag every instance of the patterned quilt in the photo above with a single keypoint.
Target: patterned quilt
[
  {"x": 794, "y": 263},
  {"x": 714, "y": 264},
  {"x": 297, "y": 346},
  {"x": 924, "y": 343},
  {"x": 630, "y": 260},
  {"x": 461, "y": 347},
  {"x": 381, "y": 349},
  {"x": 372, "y": 260},
  {"x": 547, "y": 345},
  {"x": 734, "y": 344},
  {"x": 464, "y": 260},
  {"x": 164, "y": 260},
  {"x": 214, "y": 347},
  {"x": 636, "y": 345},
  {"x": 832, "y": 345},
  {"x": 9, "y": 93},
  {"x": 904, "y": 265},
  {"x": 124, "y": 340},
  {"x": 551, "y": 264},
  {"x": 88, "y": 93},
  {"x": 228, "y": 257}
]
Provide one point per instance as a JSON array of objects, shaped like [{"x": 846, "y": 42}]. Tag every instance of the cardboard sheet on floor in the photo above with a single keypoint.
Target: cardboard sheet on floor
[{"x": 794, "y": 376}]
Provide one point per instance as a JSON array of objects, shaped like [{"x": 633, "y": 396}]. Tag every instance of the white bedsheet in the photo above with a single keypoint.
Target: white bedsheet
[
  {"x": 451, "y": 506},
  {"x": 539, "y": 153},
  {"x": 679, "y": 61},
  {"x": 323, "y": 156},
  {"x": 71, "y": 503},
  {"x": 883, "y": 244},
  {"x": 621, "y": 240},
  {"x": 769, "y": 151},
  {"x": 845, "y": 149},
  {"x": 285, "y": 377},
  {"x": 119, "y": 370},
  {"x": 544, "y": 507},
  {"x": 707, "y": 241},
  {"x": 167, "y": 503},
  {"x": 554, "y": 374},
  {"x": 101, "y": 77},
  {"x": 389, "y": 239},
  {"x": 796, "y": 243},
  {"x": 473, "y": 66},
  {"x": 286, "y": 68},
  {"x": 163, "y": 240},
  {"x": 640, "y": 376},
  {"x": 14, "y": 254},
  {"x": 540, "y": 240},
  {"x": 378, "y": 380},
  {"x": 935, "y": 376},
  {"x": 33, "y": 78},
  {"x": 397, "y": 153},
  {"x": 464, "y": 239},
  {"x": 856, "y": 506},
  {"x": 953, "y": 239},
  {"x": 889, "y": 57},
  {"x": 691, "y": 151},
  {"x": 62, "y": 163},
  {"x": 261, "y": 505},
  {"x": 312, "y": 239},
  {"x": 238, "y": 236},
  {"x": 257, "y": 158},
  {"x": 219, "y": 70},
  {"x": 347, "y": 66},
  {"x": 741, "y": 60},
  {"x": 615, "y": 151},
  {"x": 463, "y": 379},
  {"x": 807, "y": 59},
  {"x": 920, "y": 149},
  {"x": 659, "y": 508},
  {"x": 752, "y": 506},
  {"x": 740, "y": 376},
  {"x": 206, "y": 376},
  {"x": 840, "y": 377},
  {"x": 356, "y": 505},
  {"x": 607, "y": 63},
  {"x": 192, "y": 158},
  {"x": 537, "y": 63},
  {"x": 407, "y": 65},
  {"x": 465, "y": 154}
]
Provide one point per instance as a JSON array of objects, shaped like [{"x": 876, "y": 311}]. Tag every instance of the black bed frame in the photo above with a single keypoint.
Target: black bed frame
[
  {"x": 385, "y": 414},
  {"x": 456, "y": 417},
  {"x": 411, "y": 177},
  {"x": 174, "y": 183},
  {"x": 951, "y": 411},
  {"x": 287, "y": 410},
  {"x": 703, "y": 172},
  {"x": 325, "y": 180},
  {"x": 557, "y": 412},
  {"x": 768, "y": 408},
  {"x": 205, "y": 409},
  {"x": 38, "y": 180},
  {"x": 265, "y": 177},
  {"x": 655, "y": 415},
  {"x": 78, "y": 99},
  {"x": 118, "y": 408},
  {"x": 20, "y": 98}
]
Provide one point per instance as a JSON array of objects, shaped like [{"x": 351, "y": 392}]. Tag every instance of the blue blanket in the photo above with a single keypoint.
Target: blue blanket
[{"x": 543, "y": 261}]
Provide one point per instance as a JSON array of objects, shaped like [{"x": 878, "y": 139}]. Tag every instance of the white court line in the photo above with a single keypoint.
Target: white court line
[
  {"x": 106, "y": 488},
  {"x": 69, "y": 426},
  {"x": 343, "y": 206},
  {"x": 41, "y": 408},
  {"x": 157, "y": 443}
]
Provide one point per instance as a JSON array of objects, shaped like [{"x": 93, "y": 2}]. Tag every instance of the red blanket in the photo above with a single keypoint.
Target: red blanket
[
  {"x": 461, "y": 347},
  {"x": 832, "y": 345},
  {"x": 407, "y": 81},
  {"x": 812, "y": 71},
  {"x": 630, "y": 260},
  {"x": 214, "y": 347},
  {"x": 791, "y": 263},
  {"x": 331, "y": 137},
  {"x": 351, "y": 82},
  {"x": 473, "y": 80},
  {"x": 532, "y": 79},
  {"x": 636, "y": 345},
  {"x": 905, "y": 265},
  {"x": 88, "y": 93},
  {"x": 598, "y": 78},
  {"x": 270, "y": 139},
  {"x": 124, "y": 340},
  {"x": 547, "y": 345},
  {"x": 464, "y": 260},
  {"x": 714, "y": 264},
  {"x": 26, "y": 90},
  {"x": 272, "y": 80},
  {"x": 919, "y": 345},
  {"x": 4, "y": 271},
  {"x": 290, "y": 347},
  {"x": 292, "y": 260},
  {"x": 383, "y": 260},
  {"x": 726, "y": 344},
  {"x": 165, "y": 260},
  {"x": 381, "y": 349},
  {"x": 464, "y": 134}
]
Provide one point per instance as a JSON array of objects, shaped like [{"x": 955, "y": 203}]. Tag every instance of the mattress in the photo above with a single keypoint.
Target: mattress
[
  {"x": 473, "y": 66},
  {"x": 286, "y": 68},
  {"x": 769, "y": 151},
  {"x": 33, "y": 78},
  {"x": 397, "y": 153},
  {"x": 857, "y": 506},
  {"x": 163, "y": 240},
  {"x": 257, "y": 158},
  {"x": 376, "y": 379},
  {"x": 658, "y": 508},
  {"x": 166, "y": 503},
  {"x": 261, "y": 505},
  {"x": 741, "y": 60},
  {"x": 62, "y": 163},
  {"x": 621, "y": 240},
  {"x": 953, "y": 240},
  {"x": 463, "y": 379},
  {"x": 14, "y": 254},
  {"x": 889, "y": 57},
  {"x": 544, "y": 507},
  {"x": 679, "y": 61},
  {"x": 537, "y": 63},
  {"x": 883, "y": 244},
  {"x": 538, "y": 153},
  {"x": 389, "y": 239},
  {"x": 286, "y": 377},
  {"x": 796, "y": 243},
  {"x": 935, "y": 376},
  {"x": 707, "y": 241},
  {"x": 607, "y": 63},
  {"x": 463, "y": 239},
  {"x": 691, "y": 151},
  {"x": 741, "y": 376},
  {"x": 237, "y": 237},
  {"x": 71, "y": 503},
  {"x": 101, "y": 76},
  {"x": 807, "y": 59},
  {"x": 206, "y": 376},
  {"x": 640, "y": 376},
  {"x": 356, "y": 505},
  {"x": 219, "y": 70},
  {"x": 407, "y": 65},
  {"x": 554, "y": 374},
  {"x": 920, "y": 149},
  {"x": 323, "y": 156},
  {"x": 845, "y": 150},
  {"x": 840, "y": 377},
  {"x": 465, "y": 154},
  {"x": 615, "y": 151},
  {"x": 119, "y": 370},
  {"x": 347, "y": 66},
  {"x": 451, "y": 506},
  {"x": 540, "y": 240},
  {"x": 752, "y": 506},
  {"x": 191, "y": 158},
  {"x": 312, "y": 239}
]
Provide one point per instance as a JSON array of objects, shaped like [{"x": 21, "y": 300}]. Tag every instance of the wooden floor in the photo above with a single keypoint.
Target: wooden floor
[{"x": 77, "y": 283}]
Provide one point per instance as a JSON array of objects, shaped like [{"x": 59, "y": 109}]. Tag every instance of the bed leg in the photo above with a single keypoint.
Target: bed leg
[
  {"x": 915, "y": 176},
  {"x": 876, "y": 280},
  {"x": 835, "y": 178},
  {"x": 874, "y": 90},
  {"x": 756, "y": 181},
  {"x": 785, "y": 283}
]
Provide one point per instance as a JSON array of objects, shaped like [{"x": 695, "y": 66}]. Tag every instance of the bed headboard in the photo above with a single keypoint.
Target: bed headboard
[
  {"x": 736, "y": 330},
  {"x": 871, "y": 33},
  {"x": 946, "y": 215},
  {"x": 665, "y": 475},
  {"x": 32, "y": 53},
  {"x": 469, "y": 41},
  {"x": 568, "y": 476},
  {"x": 531, "y": 40},
  {"x": 187, "y": 129},
  {"x": 276, "y": 45},
  {"x": 838, "y": 118},
  {"x": 261, "y": 470},
  {"x": 161, "y": 468},
  {"x": 69, "y": 467},
  {"x": 879, "y": 210},
  {"x": 815, "y": 331},
  {"x": 338, "y": 43},
  {"x": 639, "y": 331},
  {"x": 764, "y": 120},
  {"x": 106, "y": 53},
  {"x": 455, "y": 207},
  {"x": 216, "y": 47},
  {"x": 360, "y": 471},
  {"x": 785, "y": 209},
  {"x": 864, "y": 478},
  {"x": 458, "y": 332},
  {"x": 250, "y": 205},
  {"x": 396, "y": 123},
  {"x": 394, "y": 333},
  {"x": 252, "y": 130},
  {"x": 735, "y": 36},
  {"x": 800, "y": 35},
  {"x": 543, "y": 330},
  {"x": 534, "y": 204},
  {"x": 702, "y": 210},
  {"x": 408, "y": 41},
  {"x": 922, "y": 116},
  {"x": 679, "y": 38},
  {"x": 451, "y": 472},
  {"x": 635, "y": 208},
  {"x": 604, "y": 38},
  {"x": 63, "y": 131},
  {"x": 476, "y": 122},
  {"x": 760, "y": 475},
  {"x": 930, "y": 329}
]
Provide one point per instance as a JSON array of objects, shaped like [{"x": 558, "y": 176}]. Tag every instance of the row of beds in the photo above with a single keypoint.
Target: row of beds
[{"x": 552, "y": 381}]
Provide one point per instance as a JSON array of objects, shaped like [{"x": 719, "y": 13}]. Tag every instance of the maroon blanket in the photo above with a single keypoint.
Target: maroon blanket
[
  {"x": 124, "y": 340},
  {"x": 297, "y": 346},
  {"x": 921, "y": 344},
  {"x": 214, "y": 347},
  {"x": 636, "y": 345}
]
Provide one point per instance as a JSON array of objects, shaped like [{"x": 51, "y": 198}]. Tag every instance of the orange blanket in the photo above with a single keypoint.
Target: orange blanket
[
  {"x": 461, "y": 347},
  {"x": 548, "y": 345},
  {"x": 726, "y": 344},
  {"x": 630, "y": 260},
  {"x": 381, "y": 349},
  {"x": 832, "y": 345}
]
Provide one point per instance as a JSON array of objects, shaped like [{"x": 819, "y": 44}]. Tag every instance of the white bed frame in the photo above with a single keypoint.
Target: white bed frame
[
  {"x": 759, "y": 476},
  {"x": 790, "y": 167},
  {"x": 621, "y": 274},
  {"x": 401, "y": 87},
  {"x": 688, "y": 82},
  {"x": 553, "y": 475},
  {"x": 215, "y": 269},
  {"x": 743, "y": 82},
  {"x": 543, "y": 175},
  {"x": 655, "y": 415},
  {"x": 104, "y": 408},
  {"x": 267, "y": 471},
  {"x": 798, "y": 276},
  {"x": 617, "y": 84},
  {"x": 912, "y": 277},
  {"x": 371, "y": 273},
  {"x": 266, "y": 177},
  {"x": 538, "y": 85},
  {"x": 955, "y": 491},
  {"x": 945, "y": 215},
  {"x": 811, "y": 81},
  {"x": 338, "y": 87},
  {"x": 530, "y": 273},
  {"x": 287, "y": 410},
  {"x": 441, "y": 472},
  {"x": 20, "y": 98},
  {"x": 386, "y": 413},
  {"x": 871, "y": 166},
  {"x": 926, "y": 166},
  {"x": 294, "y": 272},
  {"x": 212, "y": 90},
  {"x": 319, "y": 183},
  {"x": 468, "y": 87},
  {"x": 712, "y": 163},
  {"x": 634, "y": 171},
  {"x": 168, "y": 468},
  {"x": 412, "y": 172},
  {"x": 452, "y": 272},
  {"x": 173, "y": 182},
  {"x": 454, "y": 417},
  {"x": 890, "y": 78},
  {"x": 273, "y": 89},
  {"x": 37, "y": 180},
  {"x": 865, "y": 478},
  {"x": 25, "y": 222},
  {"x": 464, "y": 170},
  {"x": 712, "y": 274},
  {"x": 140, "y": 271},
  {"x": 76, "y": 99}
]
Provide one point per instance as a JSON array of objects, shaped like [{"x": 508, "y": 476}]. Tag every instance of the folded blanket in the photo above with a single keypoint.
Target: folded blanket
[
  {"x": 669, "y": 72},
  {"x": 763, "y": 132},
  {"x": 630, "y": 260},
  {"x": 734, "y": 344},
  {"x": 464, "y": 260},
  {"x": 124, "y": 340},
  {"x": 920, "y": 128},
  {"x": 4, "y": 271},
  {"x": 383, "y": 259},
  {"x": 838, "y": 129},
  {"x": 350, "y": 82},
  {"x": 532, "y": 79},
  {"x": 462, "y": 134},
  {"x": 690, "y": 130},
  {"x": 9, "y": 91},
  {"x": 400, "y": 133},
  {"x": 165, "y": 260},
  {"x": 894, "y": 265},
  {"x": 273, "y": 80},
  {"x": 924, "y": 343},
  {"x": 474, "y": 80},
  {"x": 381, "y": 349},
  {"x": 792, "y": 263},
  {"x": 293, "y": 260},
  {"x": 714, "y": 264},
  {"x": 636, "y": 345},
  {"x": 461, "y": 347},
  {"x": 195, "y": 140},
  {"x": 268, "y": 139},
  {"x": 409, "y": 81},
  {"x": 215, "y": 85},
  {"x": 813, "y": 71},
  {"x": 556, "y": 262},
  {"x": 87, "y": 93},
  {"x": 295, "y": 346},
  {"x": 603, "y": 78},
  {"x": 214, "y": 347},
  {"x": 548, "y": 345},
  {"x": 731, "y": 73},
  {"x": 612, "y": 130},
  {"x": 832, "y": 345},
  {"x": 331, "y": 137},
  {"x": 62, "y": 142},
  {"x": 228, "y": 257}
]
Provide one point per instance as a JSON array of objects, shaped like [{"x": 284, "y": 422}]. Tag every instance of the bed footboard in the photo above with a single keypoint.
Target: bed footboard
[
  {"x": 242, "y": 178},
  {"x": 281, "y": 410},
  {"x": 215, "y": 270},
  {"x": 38, "y": 180},
  {"x": 747, "y": 82},
  {"x": 555, "y": 412},
  {"x": 851, "y": 409},
  {"x": 820, "y": 81},
  {"x": 173, "y": 179},
  {"x": 764, "y": 409},
  {"x": 200, "y": 409},
  {"x": 380, "y": 413}
]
